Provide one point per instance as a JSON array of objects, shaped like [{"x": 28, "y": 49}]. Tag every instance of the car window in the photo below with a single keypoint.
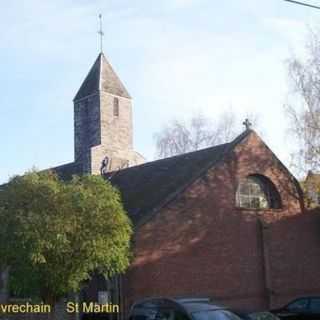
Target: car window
[
  {"x": 178, "y": 315},
  {"x": 215, "y": 315},
  {"x": 315, "y": 305},
  {"x": 300, "y": 304},
  {"x": 167, "y": 314}
]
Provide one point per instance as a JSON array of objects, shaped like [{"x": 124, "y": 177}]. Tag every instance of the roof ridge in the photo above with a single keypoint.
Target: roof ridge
[
  {"x": 115, "y": 74},
  {"x": 101, "y": 77},
  {"x": 232, "y": 144},
  {"x": 173, "y": 157},
  {"x": 100, "y": 71}
]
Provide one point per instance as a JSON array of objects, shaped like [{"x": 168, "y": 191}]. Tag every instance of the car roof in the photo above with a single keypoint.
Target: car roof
[
  {"x": 303, "y": 297},
  {"x": 191, "y": 299},
  {"x": 188, "y": 304},
  {"x": 201, "y": 306}
]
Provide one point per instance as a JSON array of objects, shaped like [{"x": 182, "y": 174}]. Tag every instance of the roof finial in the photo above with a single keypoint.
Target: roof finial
[
  {"x": 100, "y": 32},
  {"x": 247, "y": 124}
]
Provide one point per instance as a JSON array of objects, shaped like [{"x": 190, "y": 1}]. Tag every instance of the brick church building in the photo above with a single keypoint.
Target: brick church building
[{"x": 226, "y": 222}]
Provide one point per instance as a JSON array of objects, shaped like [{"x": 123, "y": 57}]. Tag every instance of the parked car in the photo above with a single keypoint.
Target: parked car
[
  {"x": 302, "y": 308},
  {"x": 264, "y": 315},
  {"x": 180, "y": 309}
]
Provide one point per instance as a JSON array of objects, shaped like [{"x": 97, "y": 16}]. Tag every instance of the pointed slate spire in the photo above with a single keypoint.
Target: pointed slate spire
[{"x": 102, "y": 77}]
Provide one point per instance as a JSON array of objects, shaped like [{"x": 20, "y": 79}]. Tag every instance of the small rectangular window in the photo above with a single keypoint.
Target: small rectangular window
[
  {"x": 116, "y": 107},
  {"x": 103, "y": 297}
]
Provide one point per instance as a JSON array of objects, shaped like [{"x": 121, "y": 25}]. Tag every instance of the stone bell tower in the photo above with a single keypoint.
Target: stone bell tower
[{"x": 103, "y": 137}]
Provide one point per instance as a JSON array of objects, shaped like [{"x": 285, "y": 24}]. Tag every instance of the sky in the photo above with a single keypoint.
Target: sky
[{"x": 177, "y": 58}]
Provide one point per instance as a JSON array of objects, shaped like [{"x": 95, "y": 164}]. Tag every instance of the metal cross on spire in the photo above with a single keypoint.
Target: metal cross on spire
[
  {"x": 101, "y": 33},
  {"x": 247, "y": 124}
]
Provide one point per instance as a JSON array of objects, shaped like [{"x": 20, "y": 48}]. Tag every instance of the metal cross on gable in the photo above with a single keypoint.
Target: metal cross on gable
[
  {"x": 247, "y": 124},
  {"x": 101, "y": 33}
]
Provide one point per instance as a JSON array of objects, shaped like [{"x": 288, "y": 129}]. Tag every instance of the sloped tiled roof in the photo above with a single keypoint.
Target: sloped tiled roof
[
  {"x": 102, "y": 77},
  {"x": 66, "y": 171},
  {"x": 147, "y": 187}
]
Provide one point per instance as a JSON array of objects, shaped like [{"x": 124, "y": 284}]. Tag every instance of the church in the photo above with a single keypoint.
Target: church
[{"x": 226, "y": 222}]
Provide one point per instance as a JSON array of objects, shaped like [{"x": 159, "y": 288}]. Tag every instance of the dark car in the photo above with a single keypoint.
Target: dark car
[
  {"x": 302, "y": 308},
  {"x": 180, "y": 309},
  {"x": 261, "y": 315}
]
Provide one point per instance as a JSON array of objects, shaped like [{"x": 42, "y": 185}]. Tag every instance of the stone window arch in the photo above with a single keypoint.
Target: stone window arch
[{"x": 257, "y": 192}]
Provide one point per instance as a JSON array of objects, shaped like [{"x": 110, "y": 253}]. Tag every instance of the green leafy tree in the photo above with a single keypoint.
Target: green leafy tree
[{"x": 55, "y": 234}]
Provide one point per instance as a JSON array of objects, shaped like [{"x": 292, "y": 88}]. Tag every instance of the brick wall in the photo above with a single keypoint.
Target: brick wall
[
  {"x": 201, "y": 244},
  {"x": 294, "y": 251}
]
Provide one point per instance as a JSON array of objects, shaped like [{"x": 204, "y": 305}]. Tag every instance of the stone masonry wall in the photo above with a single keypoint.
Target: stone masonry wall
[
  {"x": 99, "y": 133},
  {"x": 116, "y": 131},
  {"x": 116, "y": 136},
  {"x": 87, "y": 129}
]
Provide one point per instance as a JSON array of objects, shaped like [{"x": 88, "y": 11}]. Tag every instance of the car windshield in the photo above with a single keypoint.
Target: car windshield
[
  {"x": 300, "y": 304},
  {"x": 215, "y": 315}
]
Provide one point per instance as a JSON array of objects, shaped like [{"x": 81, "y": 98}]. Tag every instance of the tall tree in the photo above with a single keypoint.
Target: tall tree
[
  {"x": 54, "y": 235},
  {"x": 179, "y": 137},
  {"x": 303, "y": 109}
]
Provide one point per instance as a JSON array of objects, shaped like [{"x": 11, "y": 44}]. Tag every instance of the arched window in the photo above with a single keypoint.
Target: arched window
[{"x": 257, "y": 192}]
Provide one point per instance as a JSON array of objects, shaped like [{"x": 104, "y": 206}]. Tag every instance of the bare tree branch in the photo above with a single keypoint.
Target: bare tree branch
[
  {"x": 304, "y": 77},
  {"x": 179, "y": 137}
]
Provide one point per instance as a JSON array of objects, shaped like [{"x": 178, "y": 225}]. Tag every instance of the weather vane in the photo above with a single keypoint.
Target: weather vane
[{"x": 100, "y": 32}]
